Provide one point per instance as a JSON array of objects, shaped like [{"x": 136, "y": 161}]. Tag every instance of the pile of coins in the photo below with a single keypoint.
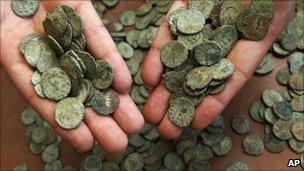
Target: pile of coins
[
  {"x": 65, "y": 72},
  {"x": 196, "y": 64}
]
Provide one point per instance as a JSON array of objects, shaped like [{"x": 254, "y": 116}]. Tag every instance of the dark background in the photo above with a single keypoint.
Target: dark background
[{"x": 15, "y": 150}]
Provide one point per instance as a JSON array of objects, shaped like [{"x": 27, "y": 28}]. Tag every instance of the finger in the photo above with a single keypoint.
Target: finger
[
  {"x": 168, "y": 130},
  {"x": 157, "y": 104},
  {"x": 245, "y": 64},
  {"x": 101, "y": 45},
  {"x": 108, "y": 134},
  {"x": 128, "y": 116},
  {"x": 152, "y": 65}
]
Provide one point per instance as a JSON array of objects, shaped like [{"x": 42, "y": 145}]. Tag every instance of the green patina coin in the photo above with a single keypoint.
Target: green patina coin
[
  {"x": 199, "y": 77},
  {"x": 203, "y": 6},
  {"x": 132, "y": 38},
  {"x": 110, "y": 3},
  {"x": 31, "y": 50},
  {"x": 283, "y": 110},
  {"x": 55, "y": 83},
  {"x": 296, "y": 146},
  {"x": 136, "y": 140},
  {"x": 254, "y": 111},
  {"x": 57, "y": 165},
  {"x": 105, "y": 102},
  {"x": 134, "y": 63},
  {"x": 282, "y": 129},
  {"x": 110, "y": 166},
  {"x": 199, "y": 165},
  {"x": 47, "y": 60},
  {"x": 239, "y": 165},
  {"x": 134, "y": 162},
  {"x": 191, "y": 40},
  {"x": 58, "y": 19},
  {"x": 283, "y": 76},
  {"x": 271, "y": 96},
  {"x": 174, "y": 80},
  {"x": 173, "y": 162},
  {"x": 273, "y": 144},
  {"x": 276, "y": 47},
  {"x": 173, "y": 54},
  {"x": 190, "y": 21},
  {"x": 126, "y": 50},
  {"x": 253, "y": 145},
  {"x": 39, "y": 135},
  {"x": 21, "y": 167},
  {"x": 104, "y": 76},
  {"x": 73, "y": 19},
  {"x": 200, "y": 151},
  {"x": 144, "y": 9},
  {"x": 28, "y": 116},
  {"x": 297, "y": 103},
  {"x": 173, "y": 20},
  {"x": 223, "y": 147},
  {"x": 297, "y": 130},
  {"x": 25, "y": 8},
  {"x": 36, "y": 148},
  {"x": 89, "y": 63},
  {"x": 230, "y": 10},
  {"x": 92, "y": 163},
  {"x": 265, "y": 7},
  {"x": 295, "y": 62},
  {"x": 32, "y": 37},
  {"x": 226, "y": 36},
  {"x": 54, "y": 44},
  {"x": 241, "y": 124},
  {"x": 296, "y": 81},
  {"x": 269, "y": 116},
  {"x": 50, "y": 154},
  {"x": 223, "y": 69},
  {"x": 252, "y": 26},
  {"x": 181, "y": 112},
  {"x": 266, "y": 66},
  {"x": 136, "y": 96},
  {"x": 69, "y": 113},
  {"x": 128, "y": 18},
  {"x": 207, "y": 53}
]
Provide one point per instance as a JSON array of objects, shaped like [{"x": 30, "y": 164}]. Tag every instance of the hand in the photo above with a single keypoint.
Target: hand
[
  {"x": 246, "y": 56},
  {"x": 110, "y": 132}
]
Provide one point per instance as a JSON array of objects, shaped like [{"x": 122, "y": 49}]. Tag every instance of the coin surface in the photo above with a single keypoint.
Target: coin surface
[
  {"x": 253, "y": 145},
  {"x": 174, "y": 54},
  {"x": 241, "y": 124},
  {"x": 282, "y": 129},
  {"x": 181, "y": 112},
  {"x": 297, "y": 130},
  {"x": 271, "y": 96},
  {"x": 25, "y": 8},
  {"x": 239, "y": 165},
  {"x": 190, "y": 21},
  {"x": 69, "y": 113},
  {"x": 223, "y": 69},
  {"x": 105, "y": 102},
  {"x": 104, "y": 76},
  {"x": 207, "y": 53},
  {"x": 283, "y": 110},
  {"x": 199, "y": 78}
]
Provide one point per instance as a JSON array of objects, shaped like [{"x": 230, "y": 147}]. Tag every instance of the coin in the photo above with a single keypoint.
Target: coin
[
  {"x": 297, "y": 130},
  {"x": 283, "y": 110},
  {"x": 295, "y": 61},
  {"x": 50, "y": 154},
  {"x": 181, "y": 112},
  {"x": 281, "y": 129},
  {"x": 207, "y": 53},
  {"x": 28, "y": 116},
  {"x": 273, "y": 144},
  {"x": 73, "y": 19},
  {"x": 265, "y": 7},
  {"x": 271, "y": 96},
  {"x": 296, "y": 146},
  {"x": 296, "y": 81},
  {"x": 21, "y": 167},
  {"x": 25, "y": 8},
  {"x": 254, "y": 111},
  {"x": 239, "y": 165},
  {"x": 91, "y": 162},
  {"x": 200, "y": 151},
  {"x": 223, "y": 147},
  {"x": 297, "y": 103},
  {"x": 105, "y": 102},
  {"x": 173, "y": 162},
  {"x": 253, "y": 145},
  {"x": 174, "y": 80},
  {"x": 230, "y": 10},
  {"x": 282, "y": 76},
  {"x": 223, "y": 69},
  {"x": 190, "y": 21},
  {"x": 266, "y": 66},
  {"x": 39, "y": 135},
  {"x": 199, "y": 77},
  {"x": 104, "y": 76},
  {"x": 125, "y": 50},
  {"x": 202, "y": 6},
  {"x": 134, "y": 162},
  {"x": 174, "y": 54},
  {"x": 128, "y": 18},
  {"x": 69, "y": 113},
  {"x": 241, "y": 124}
]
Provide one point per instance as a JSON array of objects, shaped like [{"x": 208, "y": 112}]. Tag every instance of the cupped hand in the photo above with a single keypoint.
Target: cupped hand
[
  {"x": 110, "y": 131},
  {"x": 246, "y": 56}
]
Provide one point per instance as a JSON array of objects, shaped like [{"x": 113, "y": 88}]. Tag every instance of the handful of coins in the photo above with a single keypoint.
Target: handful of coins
[
  {"x": 196, "y": 63},
  {"x": 66, "y": 72}
]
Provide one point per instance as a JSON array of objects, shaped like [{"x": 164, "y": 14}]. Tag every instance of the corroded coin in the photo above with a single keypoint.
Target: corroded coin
[
  {"x": 283, "y": 110},
  {"x": 265, "y": 7},
  {"x": 295, "y": 145},
  {"x": 226, "y": 36},
  {"x": 55, "y": 83},
  {"x": 253, "y": 145},
  {"x": 271, "y": 96},
  {"x": 269, "y": 116},
  {"x": 128, "y": 18},
  {"x": 174, "y": 54},
  {"x": 230, "y": 11},
  {"x": 296, "y": 81},
  {"x": 25, "y": 8},
  {"x": 181, "y": 112},
  {"x": 295, "y": 61},
  {"x": 199, "y": 77},
  {"x": 105, "y": 102},
  {"x": 239, "y": 165},
  {"x": 254, "y": 111},
  {"x": 266, "y": 66},
  {"x": 173, "y": 162},
  {"x": 241, "y": 124},
  {"x": 223, "y": 147},
  {"x": 28, "y": 116},
  {"x": 190, "y": 21},
  {"x": 173, "y": 19},
  {"x": 282, "y": 129},
  {"x": 174, "y": 80},
  {"x": 50, "y": 153},
  {"x": 223, "y": 69},
  {"x": 104, "y": 75},
  {"x": 252, "y": 26},
  {"x": 273, "y": 144},
  {"x": 283, "y": 76},
  {"x": 69, "y": 113},
  {"x": 73, "y": 19},
  {"x": 134, "y": 162},
  {"x": 297, "y": 130},
  {"x": 207, "y": 53},
  {"x": 297, "y": 103},
  {"x": 199, "y": 165},
  {"x": 202, "y": 6},
  {"x": 125, "y": 50}
]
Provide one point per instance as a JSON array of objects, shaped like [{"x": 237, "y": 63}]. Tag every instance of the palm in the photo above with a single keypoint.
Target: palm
[
  {"x": 111, "y": 132},
  {"x": 246, "y": 56}
]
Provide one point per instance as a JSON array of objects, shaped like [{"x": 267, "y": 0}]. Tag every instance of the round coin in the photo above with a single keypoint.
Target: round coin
[
  {"x": 283, "y": 110},
  {"x": 25, "y": 8},
  {"x": 253, "y": 145},
  {"x": 281, "y": 129},
  {"x": 207, "y": 53},
  {"x": 241, "y": 124},
  {"x": 190, "y": 21},
  {"x": 223, "y": 69},
  {"x": 69, "y": 113},
  {"x": 104, "y": 75},
  {"x": 55, "y": 83},
  {"x": 297, "y": 130},
  {"x": 239, "y": 165},
  {"x": 199, "y": 77},
  {"x": 134, "y": 162},
  {"x": 174, "y": 54},
  {"x": 271, "y": 96},
  {"x": 105, "y": 102},
  {"x": 181, "y": 112}
]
